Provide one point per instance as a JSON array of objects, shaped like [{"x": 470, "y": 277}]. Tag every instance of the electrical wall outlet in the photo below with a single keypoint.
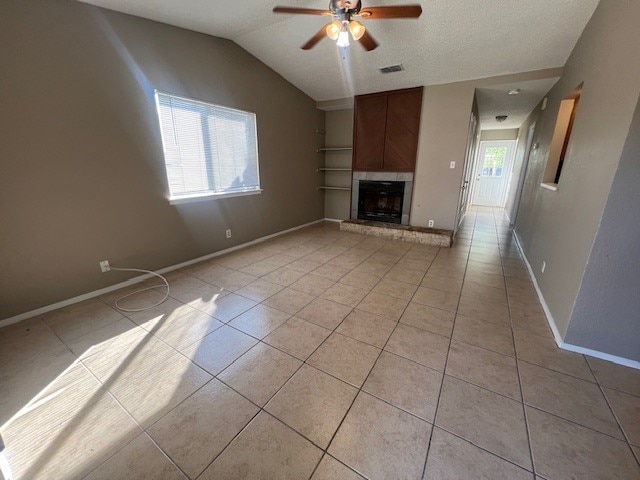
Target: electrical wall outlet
[
  {"x": 228, "y": 233},
  {"x": 104, "y": 266},
  {"x": 431, "y": 223},
  {"x": 452, "y": 165},
  {"x": 544, "y": 265}
]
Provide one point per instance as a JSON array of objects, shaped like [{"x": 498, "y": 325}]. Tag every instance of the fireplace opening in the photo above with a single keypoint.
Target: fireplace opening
[{"x": 380, "y": 201}]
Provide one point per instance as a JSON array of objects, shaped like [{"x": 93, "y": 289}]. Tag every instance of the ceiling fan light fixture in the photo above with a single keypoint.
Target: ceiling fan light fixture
[
  {"x": 356, "y": 29},
  {"x": 342, "y": 25},
  {"x": 343, "y": 37},
  {"x": 333, "y": 30}
]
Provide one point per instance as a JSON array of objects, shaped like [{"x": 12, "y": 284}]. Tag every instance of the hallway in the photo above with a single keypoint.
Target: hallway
[{"x": 319, "y": 354}]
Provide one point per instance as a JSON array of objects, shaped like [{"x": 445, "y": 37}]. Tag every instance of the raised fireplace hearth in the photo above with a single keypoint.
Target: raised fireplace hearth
[{"x": 382, "y": 196}]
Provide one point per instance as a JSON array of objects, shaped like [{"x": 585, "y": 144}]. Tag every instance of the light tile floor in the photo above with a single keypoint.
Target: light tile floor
[{"x": 319, "y": 354}]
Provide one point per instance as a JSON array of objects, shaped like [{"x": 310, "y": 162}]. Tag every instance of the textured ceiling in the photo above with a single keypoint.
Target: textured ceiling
[
  {"x": 453, "y": 40},
  {"x": 495, "y": 100}
]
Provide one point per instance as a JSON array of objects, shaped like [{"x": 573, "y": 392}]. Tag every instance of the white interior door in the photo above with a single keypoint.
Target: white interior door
[{"x": 492, "y": 167}]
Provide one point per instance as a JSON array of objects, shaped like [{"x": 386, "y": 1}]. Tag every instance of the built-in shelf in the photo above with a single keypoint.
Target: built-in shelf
[
  {"x": 325, "y": 169},
  {"x": 334, "y": 149}
]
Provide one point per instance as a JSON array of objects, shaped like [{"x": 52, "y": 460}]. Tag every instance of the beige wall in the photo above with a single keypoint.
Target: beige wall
[
  {"x": 444, "y": 126},
  {"x": 559, "y": 227},
  {"x": 519, "y": 164},
  {"x": 82, "y": 167},
  {"x": 339, "y": 133},
  {"x": 505, "y": 134}
]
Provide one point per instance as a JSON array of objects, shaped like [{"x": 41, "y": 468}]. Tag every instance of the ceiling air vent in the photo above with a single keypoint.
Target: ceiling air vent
[{"x": 392, "y": 68}]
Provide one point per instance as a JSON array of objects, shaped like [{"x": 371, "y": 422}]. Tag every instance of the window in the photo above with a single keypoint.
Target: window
[
  {"x": 209, "y": 150},
  {"x": 561, "y": 136},
  {"x": 493, "y": 161}
]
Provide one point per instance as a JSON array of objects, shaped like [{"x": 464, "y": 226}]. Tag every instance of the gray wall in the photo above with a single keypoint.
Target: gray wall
[
  {"x": 607, "y": 312},
  {"x": 81, "y": 157},
  {"x": 560, "y": 227},
  {"x": 339, "y": 128}
]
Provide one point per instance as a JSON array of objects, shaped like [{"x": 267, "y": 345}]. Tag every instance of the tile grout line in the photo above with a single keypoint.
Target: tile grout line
[
  {"x": 624, "y": 433},
  {"x": 126, "y": 411},
  {"x": 145, "y": 431},
  {"x": 79, "y": 360},
  {"x": 518, "y": 360},
  {"x": 484, "y": 449},
  {"x": 515, "y": 351},
  {"x": 262, "y": 409},
  {"x": 326, "y": 450},
  {"x": 444, "y": 368}
]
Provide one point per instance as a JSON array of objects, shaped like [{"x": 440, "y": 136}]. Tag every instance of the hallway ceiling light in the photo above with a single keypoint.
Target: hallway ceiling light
[
  {"x": 514, "y": 91},
  {"x": 501, "y": 118}
]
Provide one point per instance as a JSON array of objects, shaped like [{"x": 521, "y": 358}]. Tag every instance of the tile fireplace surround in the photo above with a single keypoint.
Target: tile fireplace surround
[{"x": 406, "y": 177}]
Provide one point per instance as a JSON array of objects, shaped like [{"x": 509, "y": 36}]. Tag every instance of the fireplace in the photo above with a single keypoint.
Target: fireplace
[
  {"x": 380, "y": 201},
  {"x": 398, "y": 187}
]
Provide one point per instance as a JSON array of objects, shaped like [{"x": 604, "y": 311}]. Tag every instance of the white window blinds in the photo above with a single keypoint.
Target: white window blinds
[{"x": 208, "y": 149}]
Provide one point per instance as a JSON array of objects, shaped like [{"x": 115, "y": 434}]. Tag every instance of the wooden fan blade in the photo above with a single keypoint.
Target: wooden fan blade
[
  {"x": 315, "y": 39},
  {"x": 399, "y": 11},
  {"x": 303, "y": 11},
  {"x": 368, "y": 42}
]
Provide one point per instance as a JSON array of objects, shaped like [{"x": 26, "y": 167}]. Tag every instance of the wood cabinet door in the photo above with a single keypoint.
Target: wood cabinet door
[
  {"x": 402, "y": 130},
  {"x": 369, "y": 132}
]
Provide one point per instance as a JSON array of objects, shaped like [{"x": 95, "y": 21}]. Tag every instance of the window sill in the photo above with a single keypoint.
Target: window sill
[
  {"x": 210, "y": 196},
  {"x": 550, "y": 186}
]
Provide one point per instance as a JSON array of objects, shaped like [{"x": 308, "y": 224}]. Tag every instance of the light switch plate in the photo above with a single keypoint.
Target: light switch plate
[{"x": 452, "y": 165}]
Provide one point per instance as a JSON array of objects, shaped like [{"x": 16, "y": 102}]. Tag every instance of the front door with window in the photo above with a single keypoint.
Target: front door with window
[{"x": 494, "y": 159}]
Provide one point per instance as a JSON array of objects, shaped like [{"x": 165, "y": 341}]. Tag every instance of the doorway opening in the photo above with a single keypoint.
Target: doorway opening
[{"x": 492, "y": 169}]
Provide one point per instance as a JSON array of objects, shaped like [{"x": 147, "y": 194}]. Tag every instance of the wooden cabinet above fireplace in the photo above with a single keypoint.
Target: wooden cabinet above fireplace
[{"x": 385, "y": 132}]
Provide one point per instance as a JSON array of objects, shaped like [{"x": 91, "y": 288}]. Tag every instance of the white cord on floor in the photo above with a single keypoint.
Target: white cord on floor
[{"x": 166, "y": 284}]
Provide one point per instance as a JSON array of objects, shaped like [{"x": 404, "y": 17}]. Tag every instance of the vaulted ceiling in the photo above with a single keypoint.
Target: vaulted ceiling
[{"x": 453, "y": 40}]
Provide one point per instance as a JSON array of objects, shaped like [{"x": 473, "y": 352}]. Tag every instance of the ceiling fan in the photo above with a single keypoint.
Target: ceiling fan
[{"x": 343, "y": 24}]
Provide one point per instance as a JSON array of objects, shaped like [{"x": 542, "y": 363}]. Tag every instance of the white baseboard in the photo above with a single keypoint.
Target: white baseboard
[
  {"x": 142, "y": 278},
  {"x": 335, "y": 220},
  {"x": 601, "y": 355},
  {"x": 554, "y": 328}
]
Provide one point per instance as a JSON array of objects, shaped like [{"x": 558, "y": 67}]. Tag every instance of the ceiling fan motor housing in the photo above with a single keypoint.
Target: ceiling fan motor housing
[{"x": 345, "y": 7}]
